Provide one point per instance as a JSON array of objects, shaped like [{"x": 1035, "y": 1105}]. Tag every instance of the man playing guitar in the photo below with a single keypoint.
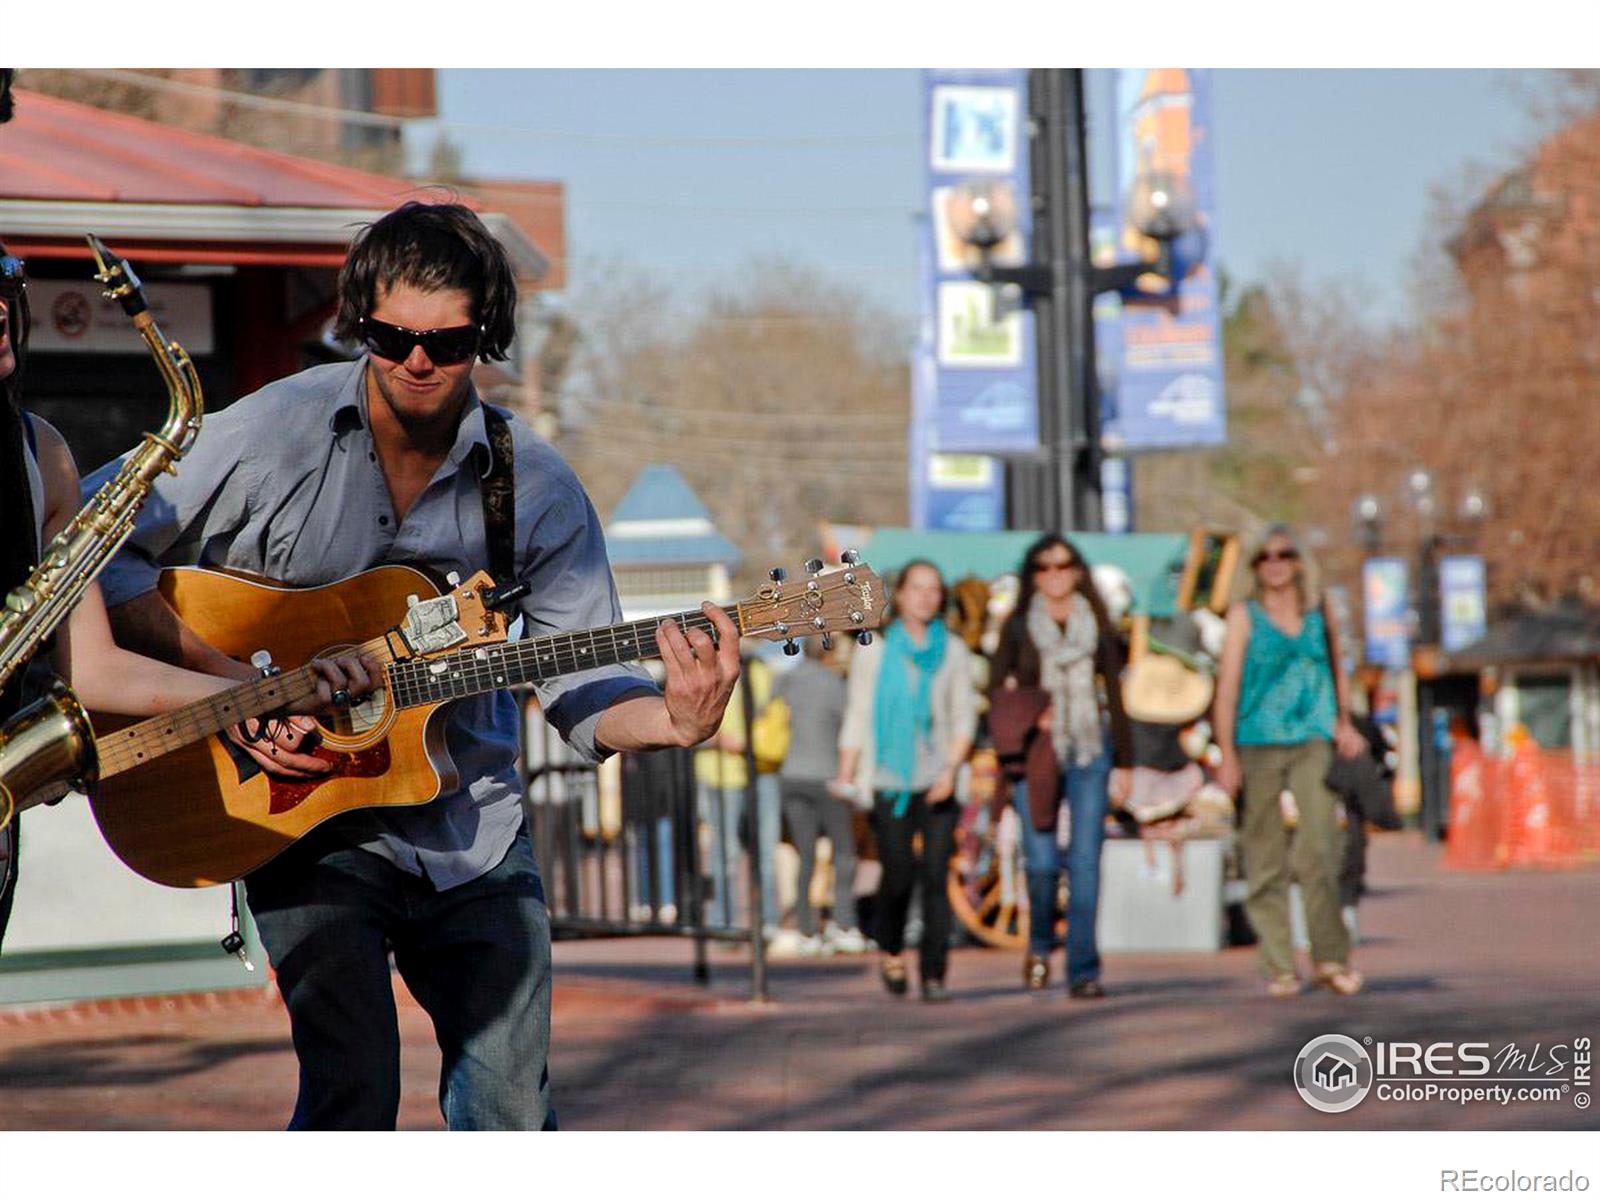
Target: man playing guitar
[{"x": 331, "y": 472}]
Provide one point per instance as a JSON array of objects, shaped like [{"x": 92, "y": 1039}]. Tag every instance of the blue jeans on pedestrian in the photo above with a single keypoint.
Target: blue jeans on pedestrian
[
  {"x": 1084, "y": 788},
  {"x": 724, "y": 820},
  {"x": 653, "y": 881},
  {"x": 476, "y": 957}
]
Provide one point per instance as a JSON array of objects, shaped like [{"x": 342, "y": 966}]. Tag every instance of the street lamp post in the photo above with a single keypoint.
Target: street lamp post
[
  {"x": 1060, "y": 283},
  {"x": 1431, "y": 540}
]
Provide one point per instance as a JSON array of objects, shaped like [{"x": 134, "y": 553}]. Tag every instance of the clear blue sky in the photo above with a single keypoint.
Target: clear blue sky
[{"x": 693, "y": 173}]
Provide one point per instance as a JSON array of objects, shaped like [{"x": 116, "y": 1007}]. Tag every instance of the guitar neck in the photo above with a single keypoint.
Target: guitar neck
[
  {"x": 415, "y": 681},
  {"x": 411, "y": 682}
]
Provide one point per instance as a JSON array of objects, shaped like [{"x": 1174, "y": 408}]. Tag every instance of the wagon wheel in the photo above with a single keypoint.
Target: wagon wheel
[{"x": 988, "y": 884}]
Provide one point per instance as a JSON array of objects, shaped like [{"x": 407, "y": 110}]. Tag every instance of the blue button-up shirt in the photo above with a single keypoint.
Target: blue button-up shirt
[{"x": 286, "y": 483}]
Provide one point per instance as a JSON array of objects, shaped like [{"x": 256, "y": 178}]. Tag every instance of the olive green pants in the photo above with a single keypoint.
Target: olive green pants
[{"x": 1309, "y": 854}]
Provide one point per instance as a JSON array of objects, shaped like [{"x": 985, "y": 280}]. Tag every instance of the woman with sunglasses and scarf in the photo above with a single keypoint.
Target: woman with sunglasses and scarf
[
  {"x": 910, "y": 716},
  {"x": 1281, "y": 707},
  {"x": 38, "y": 496},
  {"x": 1061, "y": 639}
]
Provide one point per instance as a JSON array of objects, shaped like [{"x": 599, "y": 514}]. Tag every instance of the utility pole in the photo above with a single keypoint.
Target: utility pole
[{"x": 1063, "y": 490}]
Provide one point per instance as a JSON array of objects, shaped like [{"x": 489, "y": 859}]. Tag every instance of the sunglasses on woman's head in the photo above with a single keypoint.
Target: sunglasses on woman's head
[
  {"x": 444, "y": 347},
  {"x": 1267, "y": 556}
]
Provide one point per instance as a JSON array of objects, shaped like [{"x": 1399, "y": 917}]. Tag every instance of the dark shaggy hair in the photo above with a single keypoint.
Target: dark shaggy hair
[
  {"x": 18, "y": 550},
  {"x": 431, "y": 247},
  {"x": 1102, "y": 617}
]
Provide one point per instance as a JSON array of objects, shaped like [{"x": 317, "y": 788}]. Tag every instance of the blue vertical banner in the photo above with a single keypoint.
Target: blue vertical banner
[
  {"x": 1162, "y": 383},
  {"x": 984, "y": 388},
  {"x": 947, "y": 491},
  {"x": 1384, "y": 594},
  {"x": 1463, "y": 603}
]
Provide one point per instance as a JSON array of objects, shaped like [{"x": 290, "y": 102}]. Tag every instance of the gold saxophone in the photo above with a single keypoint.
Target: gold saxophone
[{"x": 48, "y": 747}]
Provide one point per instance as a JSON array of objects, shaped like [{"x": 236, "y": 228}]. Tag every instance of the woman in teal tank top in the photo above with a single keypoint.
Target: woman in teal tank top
[{"x": 1279, "y": 712}]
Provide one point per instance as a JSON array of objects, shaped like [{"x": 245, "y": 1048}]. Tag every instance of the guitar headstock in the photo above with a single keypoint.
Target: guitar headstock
[
  {"x": 849, "y": 598},
  {"x": 463, "y": 617}
]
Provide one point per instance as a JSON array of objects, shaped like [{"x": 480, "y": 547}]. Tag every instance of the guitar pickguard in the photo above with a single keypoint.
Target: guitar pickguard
[{"x": 287, "y": 794}]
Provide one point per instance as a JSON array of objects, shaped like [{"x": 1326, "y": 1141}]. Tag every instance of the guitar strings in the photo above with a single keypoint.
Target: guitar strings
[{"x": 410, "y": 681}]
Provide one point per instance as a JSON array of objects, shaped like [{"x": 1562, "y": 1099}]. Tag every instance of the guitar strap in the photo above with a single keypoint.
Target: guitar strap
[{"x": 499, "y": 501}]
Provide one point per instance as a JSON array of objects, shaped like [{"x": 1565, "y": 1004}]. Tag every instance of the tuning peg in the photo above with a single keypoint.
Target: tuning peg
[
  {"x": 827, "y": 641},
  {"x": 777, "y": 574},
  {"x": 813, "y": 566},
  {"x": 791, "y": 647},
  {"x": 453, "y": 578},
  {"x": 849, "y": 558},
  {"x": 261, "y": 660},
  {"x": 864, "y": 638}
]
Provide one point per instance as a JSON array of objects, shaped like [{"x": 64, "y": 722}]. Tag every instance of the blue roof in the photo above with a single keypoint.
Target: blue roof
[
  {"x": 660, "y": 521},
  {"x": 659, "y": 493}
]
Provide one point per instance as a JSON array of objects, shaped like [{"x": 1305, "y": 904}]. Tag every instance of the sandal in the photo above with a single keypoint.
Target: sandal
[
  {"x": 1283, "y": 987},
  {"x": 1340, "y": 978},
  {"x": 893, "y": 973}
]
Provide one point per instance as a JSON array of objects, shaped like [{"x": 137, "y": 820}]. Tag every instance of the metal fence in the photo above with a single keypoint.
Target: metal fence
[{"x": 622, "y": 846}]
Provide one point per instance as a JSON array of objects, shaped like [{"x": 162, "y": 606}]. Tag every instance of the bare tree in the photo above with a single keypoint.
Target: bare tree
[{"x": 784, "y": 402}]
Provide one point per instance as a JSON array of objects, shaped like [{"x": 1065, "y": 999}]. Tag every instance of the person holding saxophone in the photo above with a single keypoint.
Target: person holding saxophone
[{"x": 39, "y": 495}]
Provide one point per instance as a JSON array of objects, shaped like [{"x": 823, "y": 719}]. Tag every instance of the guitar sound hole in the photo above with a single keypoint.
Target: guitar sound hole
[{"x": 361, "y": 717}]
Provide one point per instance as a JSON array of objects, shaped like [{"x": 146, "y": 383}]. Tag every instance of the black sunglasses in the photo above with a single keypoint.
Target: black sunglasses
[
  {"x": 444, "y": 347},
  {"x": 1277, "y": 556},
  {"x": 1042, "y": 567},
  {"x": 13, "y": 276}
]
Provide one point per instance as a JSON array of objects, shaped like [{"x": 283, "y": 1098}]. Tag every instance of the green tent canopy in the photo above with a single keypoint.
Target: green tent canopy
[{"x": 1153, "y": 561}]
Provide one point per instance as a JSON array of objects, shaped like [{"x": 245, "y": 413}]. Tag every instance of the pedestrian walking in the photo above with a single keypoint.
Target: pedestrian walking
[
  {"x": 909, "y": 721},
  {"x": 1060, "y": 641},
  {"x": 813, "y": 692},
  {"x": 1282, "y": 706}
]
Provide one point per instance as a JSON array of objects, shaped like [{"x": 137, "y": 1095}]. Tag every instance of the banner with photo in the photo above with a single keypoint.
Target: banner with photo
[
  {"x": 948, "y": 491},
  {"x": 985, "y": 391},
  {"x": 1161, "y": 370},
  {"x": 1463, "y": 601},
  {"x": 1384, "y": 603}
]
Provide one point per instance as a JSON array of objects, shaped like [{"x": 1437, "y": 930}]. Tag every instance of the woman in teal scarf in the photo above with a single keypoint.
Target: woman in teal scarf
[{"x": 908, "y": 728}]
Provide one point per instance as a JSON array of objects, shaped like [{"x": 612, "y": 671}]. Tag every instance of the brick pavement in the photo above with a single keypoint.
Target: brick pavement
[{"x": 1184, "y": 1041}]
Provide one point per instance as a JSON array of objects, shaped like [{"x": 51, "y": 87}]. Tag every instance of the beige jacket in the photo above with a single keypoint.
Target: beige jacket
[{"x": 953, "y": 698}]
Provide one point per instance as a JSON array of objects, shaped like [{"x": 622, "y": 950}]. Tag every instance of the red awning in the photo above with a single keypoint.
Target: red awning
[
  {"x": 57, "y": 150},
  {"x": 160, "y": 193}
]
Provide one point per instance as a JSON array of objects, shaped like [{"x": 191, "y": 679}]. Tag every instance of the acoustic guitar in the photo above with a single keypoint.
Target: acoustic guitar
[{"x": 183, "y": 806}]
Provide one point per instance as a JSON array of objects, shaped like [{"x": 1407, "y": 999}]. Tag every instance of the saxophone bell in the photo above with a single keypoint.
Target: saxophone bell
[{"x": 47, "y": 750}]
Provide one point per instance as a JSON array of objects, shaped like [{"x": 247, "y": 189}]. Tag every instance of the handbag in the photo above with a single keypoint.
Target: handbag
[{"x": 769, "y": 735}]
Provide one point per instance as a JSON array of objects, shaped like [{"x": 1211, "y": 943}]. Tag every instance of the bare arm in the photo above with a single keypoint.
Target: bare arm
[
  {"x": 1345, "y": 735},
  {"x": 1225, "y": 710},
  {"x": 105, "y": 676},
  {"x": 700, "y": 679}
]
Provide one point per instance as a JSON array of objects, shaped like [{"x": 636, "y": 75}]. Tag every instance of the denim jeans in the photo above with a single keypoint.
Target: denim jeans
[
  {"x": 653, "y": 883},
  {"x": 724, "y": 820},
  {"x": 476, "y": 957},
  {"x": 1084, "y": 789}
]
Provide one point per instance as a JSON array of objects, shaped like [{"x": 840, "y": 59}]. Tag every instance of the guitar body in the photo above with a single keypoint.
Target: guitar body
[{"x": 204, "y": 815}]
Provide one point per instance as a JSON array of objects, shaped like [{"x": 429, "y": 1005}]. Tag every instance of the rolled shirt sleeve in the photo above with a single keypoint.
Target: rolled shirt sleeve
[{"x": 571, "y": 589}]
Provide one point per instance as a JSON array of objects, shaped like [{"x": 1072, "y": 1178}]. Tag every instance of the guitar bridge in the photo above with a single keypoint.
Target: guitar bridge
[{"x": 433, "y": 625}]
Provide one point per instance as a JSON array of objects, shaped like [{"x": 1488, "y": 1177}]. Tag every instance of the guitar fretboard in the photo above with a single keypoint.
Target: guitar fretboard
[
  {"x": 411, "y": 682},
  {"x": 533, "y": 660}
]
